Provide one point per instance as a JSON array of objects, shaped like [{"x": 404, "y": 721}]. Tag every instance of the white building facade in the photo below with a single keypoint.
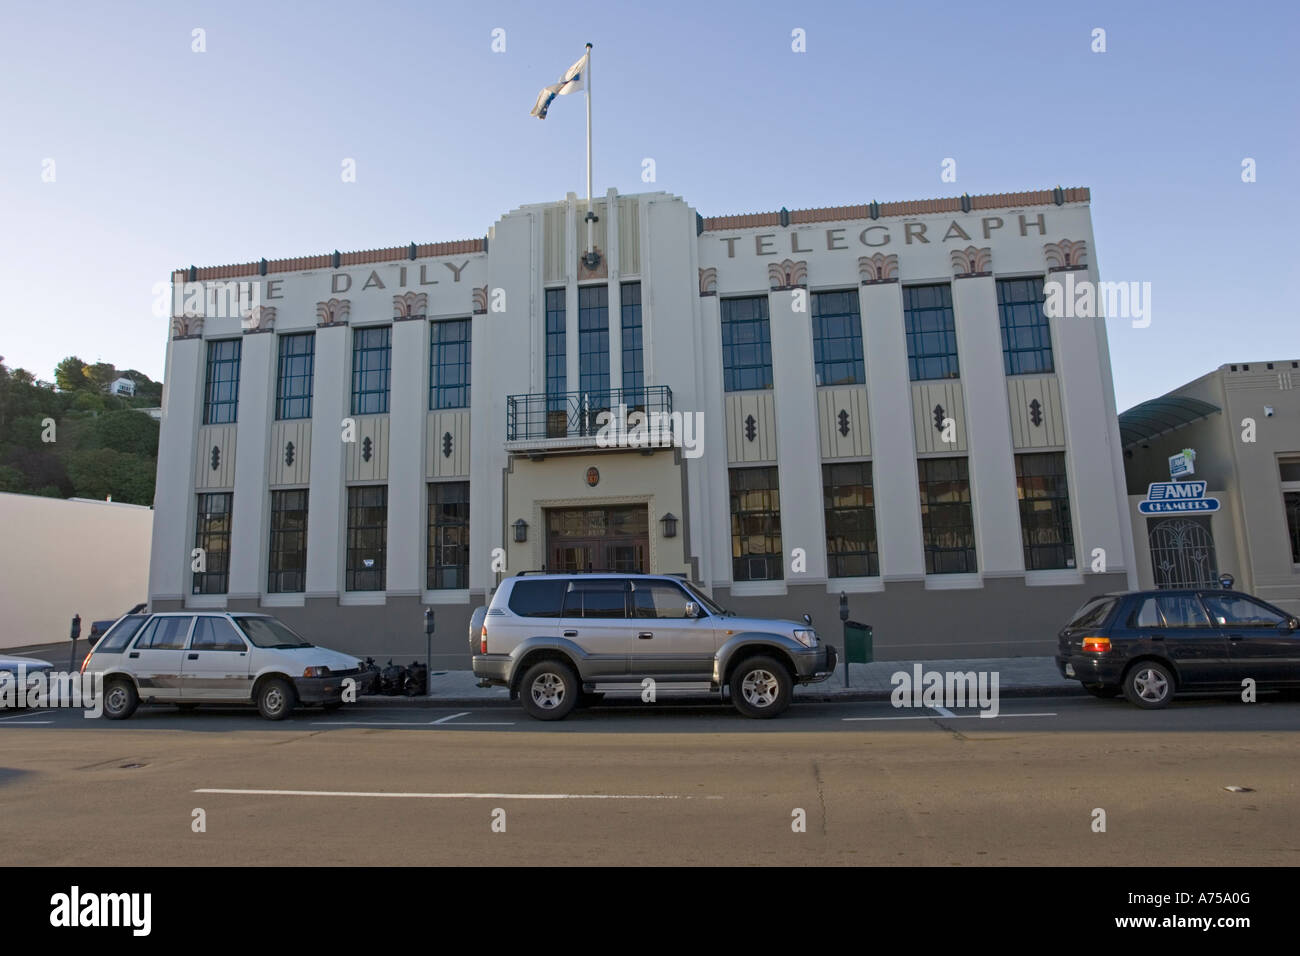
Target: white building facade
[{"x": 863, "y": 399}]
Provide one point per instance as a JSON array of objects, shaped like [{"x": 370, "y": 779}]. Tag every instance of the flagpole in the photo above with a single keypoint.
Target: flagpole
[{"x": 590, "y": 210}]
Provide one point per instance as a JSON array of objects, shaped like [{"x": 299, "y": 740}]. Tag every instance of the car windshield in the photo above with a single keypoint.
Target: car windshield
[
  {"x": 117, "y": 637},
  {"x": 709, "y": 605},
  {"x": 269, "y": 632}
]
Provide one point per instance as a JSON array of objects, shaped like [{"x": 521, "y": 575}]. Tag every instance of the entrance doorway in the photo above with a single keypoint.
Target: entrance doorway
[
  {"x": 598, "y": 538},
  {"x": 1182, "y": 553}
]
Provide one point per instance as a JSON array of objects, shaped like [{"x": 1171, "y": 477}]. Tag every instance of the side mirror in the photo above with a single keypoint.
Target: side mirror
[
  {"x": 1293, "y": 624},
  {"x": 692, "y": 609}
]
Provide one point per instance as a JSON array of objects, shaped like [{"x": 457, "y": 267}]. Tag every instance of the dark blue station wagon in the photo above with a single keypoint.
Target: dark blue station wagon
[{"x": 1149, "y": 645}]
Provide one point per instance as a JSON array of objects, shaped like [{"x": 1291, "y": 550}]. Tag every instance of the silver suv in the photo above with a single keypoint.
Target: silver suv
[{"x": 551, "y": 638}]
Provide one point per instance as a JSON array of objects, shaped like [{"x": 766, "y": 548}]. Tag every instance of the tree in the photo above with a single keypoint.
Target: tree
[
  {"x": 125, "y": 431},
  {"x": 70, "y": 374},
  {"x": 100, "y": 472},
  {"x": 100, "y": 375}
]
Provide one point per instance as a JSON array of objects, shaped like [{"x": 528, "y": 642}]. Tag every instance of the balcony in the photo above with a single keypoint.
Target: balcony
[{"x": 562, "y": 420}]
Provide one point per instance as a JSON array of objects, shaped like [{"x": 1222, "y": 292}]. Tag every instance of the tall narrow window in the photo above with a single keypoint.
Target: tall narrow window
[
  {"x": 633, "y": 354},
  {"x": 1289, "y": 472},
  {"x": 449, "y": 364},
  {"x": 850, "y": 520},
  {"x": 212, "y": 535},
  {"x": 1045, "y": 526},
  {"x": 294, "y": 376},
  {"x": 556, "y": 365},
  {"x": 367, "y": 537},
  {"x": 221, "y": 396},
  {"x": 287, "y": 565},
  {"x": 746, "y": 344},
  {"x": 931, "y": 332},
  {"x": 837, "y": 338},
  {"x": 947, "y": 526},
  {"x": 755, "y": 525},
  {"x": 1026, "y": 335},
  {"x": 371, "y": 361},
  {"x": 448, "y": 558},
  {"x": 593, "y": 353}
]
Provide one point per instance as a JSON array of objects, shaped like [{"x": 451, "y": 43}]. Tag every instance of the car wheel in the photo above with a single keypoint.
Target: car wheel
[
  {"x": 549, "y": 690},
  {"x": 276, "y": 699},
  {"x": 120, "y": 700},
  {"x": 1149, "y": 685},
  {"x": 761, "y": 687},
  {"x": 1103, "y": 690}
]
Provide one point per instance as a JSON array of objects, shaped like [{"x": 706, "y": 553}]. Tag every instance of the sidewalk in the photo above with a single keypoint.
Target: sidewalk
[{"x": 1017, "y": 677}]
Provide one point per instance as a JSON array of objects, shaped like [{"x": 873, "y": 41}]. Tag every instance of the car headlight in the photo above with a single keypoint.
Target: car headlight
[
  {"x": 316, "y": 672},
  {"x": 806, "y": 636}
]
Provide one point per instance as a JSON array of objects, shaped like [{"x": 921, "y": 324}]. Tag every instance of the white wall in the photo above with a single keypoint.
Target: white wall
[{"x": 68, "y": 557}]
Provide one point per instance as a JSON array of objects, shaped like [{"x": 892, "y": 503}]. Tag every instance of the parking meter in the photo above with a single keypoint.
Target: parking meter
[
  {"x": 76, "y": 633},
  {"x": 428, "y": 650}
]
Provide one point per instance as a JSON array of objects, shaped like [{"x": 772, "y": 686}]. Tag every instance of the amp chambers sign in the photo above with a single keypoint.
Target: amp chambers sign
[{"x": 1170, "y": 497}]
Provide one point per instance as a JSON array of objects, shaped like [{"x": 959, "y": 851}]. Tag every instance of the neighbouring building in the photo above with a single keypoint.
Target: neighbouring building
[
  {"x": 65, "y": 557},
  {"x": 1241, "y": 425},
  {"x": 122, "y": 386},
  {"x": 783, "y": 406}
]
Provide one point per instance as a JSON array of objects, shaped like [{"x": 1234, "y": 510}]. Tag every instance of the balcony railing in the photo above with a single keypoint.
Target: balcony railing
[{"x": 561, "y": 416}]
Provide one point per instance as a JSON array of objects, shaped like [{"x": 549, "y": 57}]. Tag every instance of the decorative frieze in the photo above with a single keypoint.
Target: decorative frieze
[
  {"x": 878, "y": 268},
  {"x": 787, "y": 274},
  {"x": 971, "y": 262},
  {"x": 410, "y": 305},
  {"x": 1066, "y": 255},
  {"x": 187, "y": 326},
  {"x": 333, "y": 312},
  {"x": 708, "y": 281},
  {"x": 480, "y": 297},
  {"x": 260, "y": 318}
]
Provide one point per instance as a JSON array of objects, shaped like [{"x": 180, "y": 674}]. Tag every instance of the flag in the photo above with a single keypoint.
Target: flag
[{"x": 572, "y": 81}]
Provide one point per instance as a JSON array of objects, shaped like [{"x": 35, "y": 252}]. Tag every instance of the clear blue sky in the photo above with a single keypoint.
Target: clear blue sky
[{"x": 166, "y": 157}]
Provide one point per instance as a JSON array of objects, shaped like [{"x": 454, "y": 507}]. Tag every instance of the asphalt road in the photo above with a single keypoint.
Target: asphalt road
[{"x": 671, "y": 783}]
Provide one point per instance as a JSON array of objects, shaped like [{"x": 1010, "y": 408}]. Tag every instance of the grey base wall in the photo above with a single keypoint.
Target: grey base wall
[{"x": 1004, "y": 618}]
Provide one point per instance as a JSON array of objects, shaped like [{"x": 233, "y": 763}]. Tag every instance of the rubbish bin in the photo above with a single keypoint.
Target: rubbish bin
[{"x": 857, "y": 643}]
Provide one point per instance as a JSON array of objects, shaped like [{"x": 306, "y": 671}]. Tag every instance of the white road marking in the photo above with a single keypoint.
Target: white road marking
[
  {"x": 951, "y": 716},
  {"x": 446, "y": 796},
  {"x": 443, "y": 720},
  {"x": 944, "y": 712},
  {"x": 30, "y": 713}
]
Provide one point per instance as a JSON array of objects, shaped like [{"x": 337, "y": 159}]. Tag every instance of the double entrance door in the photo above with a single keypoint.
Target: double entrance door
[{"x": 615, "y": 538}]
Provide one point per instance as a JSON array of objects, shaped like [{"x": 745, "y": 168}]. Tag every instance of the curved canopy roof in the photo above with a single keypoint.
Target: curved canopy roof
[{"x": 1160, "y": 415}]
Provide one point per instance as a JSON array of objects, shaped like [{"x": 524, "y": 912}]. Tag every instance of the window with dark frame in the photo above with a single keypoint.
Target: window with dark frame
[
  {"x": 593, "y": 339},
  {"x": 287, "y": 562},
  {"x": 371, "y": 362},
  {"x": 221, "y": 394},
  {"x": 293, "y": 380},
  {"x": 447, "y": 562},
  {"x": 931, "y": 332},
  {"x": 755, "y": 525},
  {"x": 633, "y": 353},
  {"x": 449, "y": 363},
  {"x": 1046, "y": 530},
  {"x": 850, "y": 520},
  {"x": 1026, "y": 334},
  {"x": 212, "y": 534},
  {"x": 556, "y": 364},
  {"x": 746, "y": 344},
  {"x": 947, "y": 524},
  {"x": 837, "y": 338},
  {"x": 1289, "y": 472},
  {"x": 367, "y": 537}
]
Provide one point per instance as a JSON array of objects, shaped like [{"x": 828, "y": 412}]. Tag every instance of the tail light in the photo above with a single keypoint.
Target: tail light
[
  {"x": 1096, "y": 645},
  {"x": 482, "y": 641},
  {"x": 85, "y": 662}
]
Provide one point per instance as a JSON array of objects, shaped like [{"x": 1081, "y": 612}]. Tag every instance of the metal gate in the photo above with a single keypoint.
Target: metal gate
[{"x": 1182, "y": 553}]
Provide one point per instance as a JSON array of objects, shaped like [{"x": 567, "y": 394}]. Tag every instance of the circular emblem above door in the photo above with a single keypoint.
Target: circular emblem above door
[{"x": 593, "y": 476}]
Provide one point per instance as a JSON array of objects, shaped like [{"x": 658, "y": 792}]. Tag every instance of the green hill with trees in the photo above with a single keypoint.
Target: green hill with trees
[{"x": 72, "y": 439}]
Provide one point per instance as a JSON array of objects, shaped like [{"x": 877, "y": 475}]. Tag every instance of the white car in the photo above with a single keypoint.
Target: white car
[{"x": 215, "y": 657}]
